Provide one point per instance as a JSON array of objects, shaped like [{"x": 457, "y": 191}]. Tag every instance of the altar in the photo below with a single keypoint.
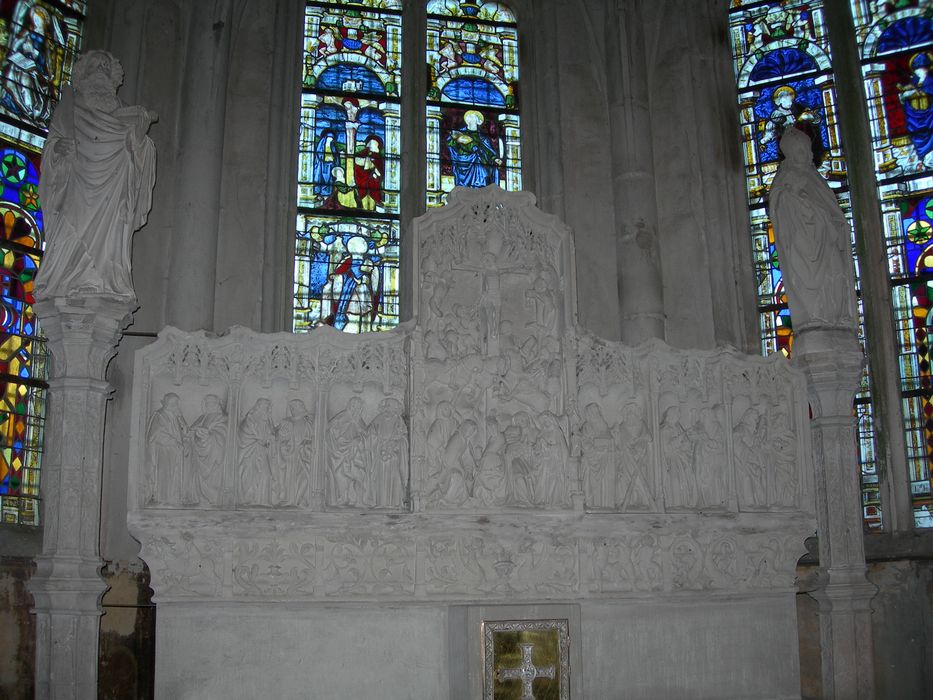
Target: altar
[{"x": 330, "y": 515}]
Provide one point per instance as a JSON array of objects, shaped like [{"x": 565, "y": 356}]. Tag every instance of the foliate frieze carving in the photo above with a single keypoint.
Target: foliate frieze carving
[
  {"x": 438, "y": 559},
  {"x": 464, "y": 565},
  {"x": 367, "y": 565},
  {"x": 273, "y": 569},
  {"x": 188, "y": 565},
  {"x": 691, "y": 561}
]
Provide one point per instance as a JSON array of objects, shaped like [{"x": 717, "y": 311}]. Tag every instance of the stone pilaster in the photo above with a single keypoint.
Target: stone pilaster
[
  {"x": 83, "y": 333},
  {"x": 832, "y": 360}
]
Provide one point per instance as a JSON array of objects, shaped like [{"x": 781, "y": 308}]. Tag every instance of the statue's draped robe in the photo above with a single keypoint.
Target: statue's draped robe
[{"x": 94, "y": 197}]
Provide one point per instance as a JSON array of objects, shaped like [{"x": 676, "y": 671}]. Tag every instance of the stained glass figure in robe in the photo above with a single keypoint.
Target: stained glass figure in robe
[
  {"x": 916, "y": 96},
  {"x": 346, "y": 256},
  {"x": 474, "y": 158},
  {"x": 346, "y": 274},
  {"x": 474, "y": 128},
  {"x": 41, "y": 39},
  {"x": 896, "y": 44}
]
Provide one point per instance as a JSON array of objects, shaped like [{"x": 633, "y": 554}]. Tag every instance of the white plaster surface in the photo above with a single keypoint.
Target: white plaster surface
[
  {"x": 631, "y": 650},
  {"x": 714, "y": 648},
  {"x": 357, "y": 652}
]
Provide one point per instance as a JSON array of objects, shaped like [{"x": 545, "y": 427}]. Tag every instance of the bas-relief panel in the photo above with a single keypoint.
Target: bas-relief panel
[
  {"x": 454, "y": 557},
  {"x": 587, "y": 461},
  {"x": 315, "y": 425},
  {"x": 491, "y": 414}
]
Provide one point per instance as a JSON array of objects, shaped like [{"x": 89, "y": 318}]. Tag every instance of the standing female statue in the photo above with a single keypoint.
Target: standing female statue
[{"x": 812, "y": 238}]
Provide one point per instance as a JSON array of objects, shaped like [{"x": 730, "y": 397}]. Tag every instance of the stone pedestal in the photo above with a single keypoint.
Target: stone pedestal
[
  {"x": 832, "y": 361},
  {"x": 83, "y": 333}
]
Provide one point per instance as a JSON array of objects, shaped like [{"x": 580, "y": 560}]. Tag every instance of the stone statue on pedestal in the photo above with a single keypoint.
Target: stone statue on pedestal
[
  {"x": 98, "y": 171},
  {"x": 812, "y": 238}
]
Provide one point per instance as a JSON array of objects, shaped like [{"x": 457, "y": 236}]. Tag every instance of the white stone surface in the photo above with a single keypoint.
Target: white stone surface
[
  {"x": 813, "y": 240},
  {"x": 301, "y": 652},
  {"x": 527, "y": 460},
  {"x": 700, "y": 648}
]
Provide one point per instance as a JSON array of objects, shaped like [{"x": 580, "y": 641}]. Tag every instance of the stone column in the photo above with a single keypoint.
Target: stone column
[
  {"x": 98, "y": 171},
  {"x": 199, "y": 164},
  {"x": 813, "y": 245},
  {"x": 636, "y": 209},
  {"x": 83, "y": 332},
  {"x": 832, "y": 360}
]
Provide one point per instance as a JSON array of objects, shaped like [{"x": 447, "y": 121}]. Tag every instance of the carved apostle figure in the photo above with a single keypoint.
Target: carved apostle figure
[
  {"x": 208, "y": 435},
  {"x": 98, "y": 170},
  {"x": 552, "y": 452},
  {"x": 295, "y": 442},
  {"x": 599, "y": 464},
  {"x": 389, "y": 436},
  {"x": 489, "y": 482},
  {"x": 166, "y": 435},
  {"x": 680, "y": 449},
  {"x": 633, "y": 489},
  {"x": 750, "y": 459},
  {"x": 255, "y": 438},
  {"x": 812, "y": 239},
  {"x": 347, "y": 468}
]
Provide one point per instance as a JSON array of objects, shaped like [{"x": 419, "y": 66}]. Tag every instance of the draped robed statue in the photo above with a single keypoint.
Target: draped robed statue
[
  {"x": 98, "y": 171},
  {"x": 812, "y": 238}
]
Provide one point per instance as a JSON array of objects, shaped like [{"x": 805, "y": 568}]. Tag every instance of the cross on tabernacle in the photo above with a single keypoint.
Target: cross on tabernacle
[{"x": 526, "y": 673}]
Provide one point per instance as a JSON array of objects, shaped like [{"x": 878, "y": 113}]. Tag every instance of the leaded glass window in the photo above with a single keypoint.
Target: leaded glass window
[
  {"x": 38, "y": 44},
  {"x": 346, "y": 262},
  {"x": 784, "y": 73},
  {"x": 473, "y": 124},
  {"x": 349, "y": 160},
  {"x": 895, "y": 40}
]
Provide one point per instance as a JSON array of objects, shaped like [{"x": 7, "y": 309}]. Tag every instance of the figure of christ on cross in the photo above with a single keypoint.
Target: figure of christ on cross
[
  {"x": 526, "y": 673},
  {"x": 490, "y": 300}
]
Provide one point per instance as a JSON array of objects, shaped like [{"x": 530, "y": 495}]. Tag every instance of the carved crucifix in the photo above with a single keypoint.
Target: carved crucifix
[
  {"x": 490, "y": 299},
  {"x": 527, "y": 672}
]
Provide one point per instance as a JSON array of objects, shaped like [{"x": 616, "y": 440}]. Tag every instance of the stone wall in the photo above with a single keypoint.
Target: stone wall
[{"x": 17, "y": 629}]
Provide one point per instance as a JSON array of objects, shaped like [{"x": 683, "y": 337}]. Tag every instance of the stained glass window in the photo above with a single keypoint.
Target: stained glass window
[
  {"x": 38, "y": 44},
  {"x": 473, "y": 124},
  {"x": 896, "y": 43},
  {"x": 783, "y": 67},
  {"x": 349, "y": 160}
]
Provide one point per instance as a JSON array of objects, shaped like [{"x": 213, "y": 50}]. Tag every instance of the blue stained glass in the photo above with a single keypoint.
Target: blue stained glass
[
  {"x": 905, "y": 33},
  {"x": 473, "y": 125},
  {"x": 350, "y": 78},
  {"x": 895, "y": 41},
  {"x": 349, "y": 174},
  {"x": 797, "y": 102},
  {"x": 781, "y": 63},
  {"x": 474, "y": 91}
]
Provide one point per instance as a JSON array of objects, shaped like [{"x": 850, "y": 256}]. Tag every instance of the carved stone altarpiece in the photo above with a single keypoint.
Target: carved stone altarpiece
[{"x": 498, "y": 451}]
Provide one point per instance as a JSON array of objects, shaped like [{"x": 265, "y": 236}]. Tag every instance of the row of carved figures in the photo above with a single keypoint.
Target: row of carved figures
[
  {"x": 523, "y": 459},
  {"x": 366, "y": 462}
]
